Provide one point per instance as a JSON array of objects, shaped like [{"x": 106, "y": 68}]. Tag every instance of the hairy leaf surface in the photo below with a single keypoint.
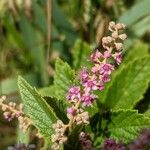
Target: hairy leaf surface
[
  {"x": 63, "y": 79},
  {"x": 126, "y": 124},
  {"x": 36, "y": 107},
  {"x": 129, "y": 85}
]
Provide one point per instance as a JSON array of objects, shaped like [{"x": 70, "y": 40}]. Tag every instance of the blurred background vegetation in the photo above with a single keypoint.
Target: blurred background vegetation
[{"x": 33, "y": 33}]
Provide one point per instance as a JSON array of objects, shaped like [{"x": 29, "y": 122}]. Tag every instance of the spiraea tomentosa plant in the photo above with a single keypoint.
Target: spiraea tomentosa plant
[
  {"x": 82, "y": 96},
  {"x": 77, "y": 114}
]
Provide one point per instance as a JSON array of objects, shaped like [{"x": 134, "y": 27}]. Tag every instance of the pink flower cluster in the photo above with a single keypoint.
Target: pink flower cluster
[
  {"x": 103, "y": 65},
  {"x": 90, "y": 80}
]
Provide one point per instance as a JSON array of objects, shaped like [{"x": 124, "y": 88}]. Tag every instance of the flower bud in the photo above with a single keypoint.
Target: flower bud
[
  {"x": 115, "y": 34},
  {"x": 118, "y": 46},
  {"x": 120, "y": 26},
  {"x": 122, "y": 36}
]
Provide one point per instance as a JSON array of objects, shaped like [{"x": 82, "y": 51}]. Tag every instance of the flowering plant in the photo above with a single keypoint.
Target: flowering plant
[{"x": 87, "y": 108}]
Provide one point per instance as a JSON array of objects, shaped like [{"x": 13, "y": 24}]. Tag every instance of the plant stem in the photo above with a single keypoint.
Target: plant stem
[
  {"x": 49, "y": 16},
  {"x": 69, "y": 125}
]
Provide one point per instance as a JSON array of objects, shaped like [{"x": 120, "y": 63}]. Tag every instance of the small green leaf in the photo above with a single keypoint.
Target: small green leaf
[
  {"x": 126, "y": 124},
  {"x": 59, "y": 19},
  {"x": 59, "y": 107},
  {"x": 129, "y": 85},
  {"x": 39, "y": 17},
  {"x": 147, "y": 113},
  {"x": 81, "y": 53},
  {"x": 139, "y": 50},
  {"x": 138, "y": 11},
  {"x": 141, "y": 27},
  {"x": 10, "y": 84},
  {"x": 63, "y": 79},
  {"x": 31, "y": 38},
  {"x": 10, "y": 27},
  {"x": 36, "y": 107},
  {"x": 48, "y": 91}
]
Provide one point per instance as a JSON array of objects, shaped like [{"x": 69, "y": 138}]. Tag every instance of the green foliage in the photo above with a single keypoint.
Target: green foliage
[
  {"x": 139, "y": 50},
  {"x": 26, "y": 32},
  {"x": 81, "y": 53},
  {"x": 59, "y": 107},
  {"x": 36, "y": 107},
  {"x": 62, "y": 23},
  {"x": 10, "y": 85},
  {"x": 138, "y": 11},
  {"x": 129, "y": 85},
  {"x": 39, "y": 18},
  {"x": 71, "y": 138},
  {"x": 63, "y": 79},
  {"x": 126, "y": 124},
  {"x": 23, "y": 137},
  {"x": 12, "y": 32},
  {"x": 32, "y": 40},
  {"x": 137, "y": 18}
]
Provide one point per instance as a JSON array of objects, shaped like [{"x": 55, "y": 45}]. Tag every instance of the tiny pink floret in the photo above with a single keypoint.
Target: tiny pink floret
[
  {"x": 74, "y": 93},
  {"x": 106, "y": 68},
  {"x": 118, "y": 57},
  {"x": 96, "y": 56}
]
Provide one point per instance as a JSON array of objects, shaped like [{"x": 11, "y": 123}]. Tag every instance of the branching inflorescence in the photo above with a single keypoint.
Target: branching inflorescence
[
  {"x": 12, "y": 110},
  {"x": 92, "y": 79},
  {"x": 80, "y": 96}
]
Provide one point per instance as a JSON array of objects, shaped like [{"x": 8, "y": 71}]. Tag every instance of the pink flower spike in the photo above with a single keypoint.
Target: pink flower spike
[
  {"x": 74, "y": 93},
  {"x": 87, "y": 99},
  {"x": 107, "y": 54},
  {"x": 118, "y": 57},
  {"x": 95, "y": 56},
  {"x": 106, "y": 68}
]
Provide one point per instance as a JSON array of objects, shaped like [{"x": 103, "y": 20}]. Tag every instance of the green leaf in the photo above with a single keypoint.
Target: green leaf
[
  {"x": 59, "y": 106},
  {"x": 129, "y": 85},
  {"x": 9, "y": 85},
  {"x": 39, "y": 17},
  {"x": 136, "y": 12},
  {"x": 141, "y": 27},
  {"x": 32, "y": 40},
  {"x": 62, "y": 23},
  {"x": 36, "y": 107},
  {"x": 81, "y": 53},
  {"x": 139, "y": 50},
  {"x": 63, "y": 79},
  {"x": 10, "y": 27},
  {"x": 126, "y": 124}
]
